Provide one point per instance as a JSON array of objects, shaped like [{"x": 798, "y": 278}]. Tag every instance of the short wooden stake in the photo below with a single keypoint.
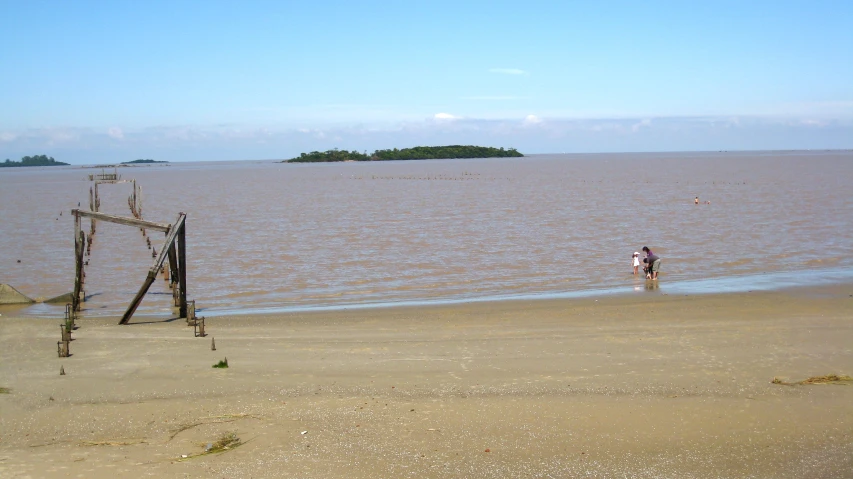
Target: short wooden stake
[
  {"x": 62, "y": 370},
  {"x": 199, "y": 327},
  {"x": 66, "y": 332},
  {"x": 63, "y": 349},
  {"x": 212, "y": 344}
]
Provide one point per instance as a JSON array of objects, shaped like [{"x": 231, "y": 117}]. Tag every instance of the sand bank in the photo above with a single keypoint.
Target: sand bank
[{"x": 642, "y": 386}]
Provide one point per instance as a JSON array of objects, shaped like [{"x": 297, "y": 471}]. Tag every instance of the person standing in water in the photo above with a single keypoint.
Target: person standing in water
[
  {"x": 654, "y": 263},
  {"x": 635, "y": 262}
]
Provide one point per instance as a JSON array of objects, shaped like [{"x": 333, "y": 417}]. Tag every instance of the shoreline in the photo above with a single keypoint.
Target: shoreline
[
  {"x": 779, "y": 281},
  {"x": 643, "y": 386}
]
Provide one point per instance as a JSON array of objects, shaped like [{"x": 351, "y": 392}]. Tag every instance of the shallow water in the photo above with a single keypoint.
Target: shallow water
[{"x": 266, "y": 236}]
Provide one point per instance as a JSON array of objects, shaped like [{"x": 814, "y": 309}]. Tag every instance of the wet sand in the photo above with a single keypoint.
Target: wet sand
[{"x": 633, "y": 386}]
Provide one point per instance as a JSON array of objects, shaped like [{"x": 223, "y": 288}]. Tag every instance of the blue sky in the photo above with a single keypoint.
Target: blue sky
[{"x": 95, "y": 81}]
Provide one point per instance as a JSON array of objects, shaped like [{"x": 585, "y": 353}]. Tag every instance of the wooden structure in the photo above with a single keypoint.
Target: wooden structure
[
  {"x": 174, "y": 249},
  {"x": 106, "y": 176},
  {"x": 134, "y": 200},
  {"x": 196, "y": 322}
]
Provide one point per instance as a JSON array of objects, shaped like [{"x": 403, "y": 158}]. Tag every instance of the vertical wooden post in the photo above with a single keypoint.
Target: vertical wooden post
[
  {"x": 182, "y": 266},
  {"x": 79, "y": 245}
]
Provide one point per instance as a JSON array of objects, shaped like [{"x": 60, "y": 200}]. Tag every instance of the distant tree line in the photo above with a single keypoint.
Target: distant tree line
[
  {"x": 416, "y": 153},
  {"x": 38, "y": 160}
]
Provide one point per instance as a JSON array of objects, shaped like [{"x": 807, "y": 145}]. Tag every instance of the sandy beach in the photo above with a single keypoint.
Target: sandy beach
[{"x": 624, "y": 386}]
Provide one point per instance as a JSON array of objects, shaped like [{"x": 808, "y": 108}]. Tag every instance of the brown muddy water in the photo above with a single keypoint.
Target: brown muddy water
[{"x": 266, "y": 236}]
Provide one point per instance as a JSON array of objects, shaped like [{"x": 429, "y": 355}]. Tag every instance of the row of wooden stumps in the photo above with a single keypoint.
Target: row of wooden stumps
[
  {"x": 196, "y": 322},
  {"x": 63, "y": 346}
]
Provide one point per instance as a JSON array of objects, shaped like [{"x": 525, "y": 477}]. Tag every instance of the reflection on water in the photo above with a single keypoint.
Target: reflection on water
[{"x": 265, "y": 236}]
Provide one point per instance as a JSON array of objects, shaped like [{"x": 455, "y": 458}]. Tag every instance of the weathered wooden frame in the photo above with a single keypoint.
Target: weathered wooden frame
[{"x": 174, "y": 247}]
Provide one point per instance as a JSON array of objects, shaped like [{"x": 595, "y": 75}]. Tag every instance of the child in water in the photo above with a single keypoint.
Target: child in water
[{"x": 635, "y": 262}]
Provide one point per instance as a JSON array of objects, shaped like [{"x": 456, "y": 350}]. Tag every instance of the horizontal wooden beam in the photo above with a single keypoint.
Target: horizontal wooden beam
[{"x": 122, "y": 220}]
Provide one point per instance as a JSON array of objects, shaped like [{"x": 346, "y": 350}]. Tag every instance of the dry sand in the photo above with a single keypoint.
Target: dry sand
[{"x": 641, "y": 386}]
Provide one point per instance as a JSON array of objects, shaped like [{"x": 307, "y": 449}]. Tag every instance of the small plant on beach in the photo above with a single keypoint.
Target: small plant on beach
[
  {"x": 5, "y": 391},
  {"x": 828, "y": 379},
  {"x": 229, "y": 440},
  {"x": 221, "y": 364},
  {"x": 226, "y": 442}
]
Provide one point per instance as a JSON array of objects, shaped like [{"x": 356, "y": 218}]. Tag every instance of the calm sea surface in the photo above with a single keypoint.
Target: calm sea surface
[{"x": 265, "y": 236}]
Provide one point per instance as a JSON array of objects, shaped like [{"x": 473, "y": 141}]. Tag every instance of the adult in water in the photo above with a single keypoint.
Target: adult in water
[{"x": 654, "y": 263}]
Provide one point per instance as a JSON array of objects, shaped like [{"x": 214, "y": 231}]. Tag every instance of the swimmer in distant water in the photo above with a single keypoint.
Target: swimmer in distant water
[{"x": 696, "y": 200}]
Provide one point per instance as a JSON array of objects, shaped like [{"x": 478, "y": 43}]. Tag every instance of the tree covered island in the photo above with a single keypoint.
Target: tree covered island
[
  {"x": 38, "y": 160},
  {"x": 416, "y": 153},
  {"x": 142, "y": 162}
]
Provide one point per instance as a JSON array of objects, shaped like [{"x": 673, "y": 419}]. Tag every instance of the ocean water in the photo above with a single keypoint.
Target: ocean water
[{"x": 265, "y": 236}]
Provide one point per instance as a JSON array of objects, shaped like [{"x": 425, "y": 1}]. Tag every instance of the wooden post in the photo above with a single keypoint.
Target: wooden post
[
  {"x": 63, "y": 349},
  {"x": 78, "y": 258},
  {"x": 198, "y": 327},
  {"x": 66, "y": 332},
  {"x": 190, "y": 312},
  {"x": 70, "y": 316},
  {"x": 138, "y": 201},
  {"x": 182, "y": 265}
]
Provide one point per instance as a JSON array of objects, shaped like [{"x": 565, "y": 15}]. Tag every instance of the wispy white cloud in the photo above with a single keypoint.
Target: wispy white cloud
[
  {"x": 644, "y": 123},
  {"x": 529, "y": 133},
  {"x": 532, "y": 120},
  {"x": 116, "y": 133},
  {"x": 508, "y": 71},
  {"x": 445, "y": 116}
]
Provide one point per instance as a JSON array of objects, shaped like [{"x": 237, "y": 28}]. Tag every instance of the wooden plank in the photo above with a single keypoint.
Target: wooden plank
[
  {"x": 173, "y": 265},
  {"x": 138, "y": 298},
  {"x": 170, "y": 238},
  {"x": 123, "y": 220},
  {"x": 182, "y": 265},
  {"x": 112, "y": 182}
]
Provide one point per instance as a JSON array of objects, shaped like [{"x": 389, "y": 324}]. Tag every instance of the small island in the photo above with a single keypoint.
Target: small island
[
  {"x": 38, "y": 160},
  {"x": 141, "y": 162},
  {"x": 416, "y": 153}
]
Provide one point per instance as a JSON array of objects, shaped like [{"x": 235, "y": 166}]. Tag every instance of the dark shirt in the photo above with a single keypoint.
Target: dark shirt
[{"x": 652, "y": 257}]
